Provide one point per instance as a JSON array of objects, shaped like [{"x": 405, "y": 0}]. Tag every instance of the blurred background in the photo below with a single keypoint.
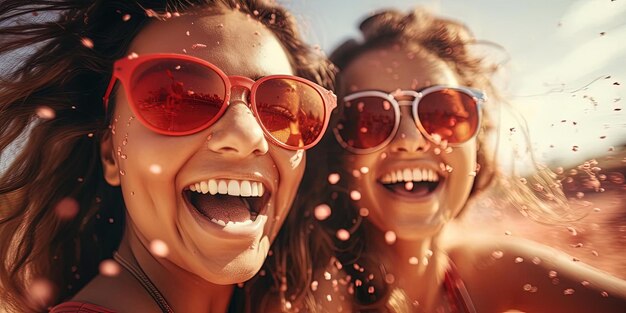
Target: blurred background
[{"x": 564, "y": 71}]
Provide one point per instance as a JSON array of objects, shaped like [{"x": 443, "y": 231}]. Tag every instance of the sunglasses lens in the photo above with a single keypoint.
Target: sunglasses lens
[
  {"x": 366, "y": 122},
  {"x": 449, "y": 114},
  {"x": 177, "y": 96},
  {"x": 291, "y": 111}
]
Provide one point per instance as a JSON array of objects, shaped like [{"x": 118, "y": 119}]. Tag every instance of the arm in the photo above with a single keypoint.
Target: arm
[{"x": 509, "y": 273}]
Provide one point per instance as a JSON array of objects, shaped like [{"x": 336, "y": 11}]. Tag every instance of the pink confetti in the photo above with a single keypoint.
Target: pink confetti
[
  {"x": 198, "y": 45},
  {"x": 87, "y": 42},
  {"x": 159, "y": 248},
  {"x": 343, "y": 234},
  {"x": 355, "y": 195},
  {"x": 390, "y": 237},
  {"x": 109, "y": 268},
  {"x": 322, "y": 212},
  {"x": 66, "y": 209},
  {"x": 45, "y": 113}
]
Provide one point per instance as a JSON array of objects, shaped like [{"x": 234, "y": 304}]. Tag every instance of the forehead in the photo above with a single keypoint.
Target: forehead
[
  {"x": 234, "y": 42},
  {"x": 388, "y": 69}
]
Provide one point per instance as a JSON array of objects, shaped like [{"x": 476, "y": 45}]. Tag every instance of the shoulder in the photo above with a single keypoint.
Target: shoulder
[
  {"x": 79, "y": 307},
  {"x": 532, "y": 277}
]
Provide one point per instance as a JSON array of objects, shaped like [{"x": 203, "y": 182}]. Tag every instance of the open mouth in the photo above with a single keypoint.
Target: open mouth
[
  {"x": 225, "y": 201},
  {"x": 412, "y": 182}
]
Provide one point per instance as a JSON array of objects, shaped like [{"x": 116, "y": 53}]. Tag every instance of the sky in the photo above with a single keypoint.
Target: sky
[{"x": 566, "y": 71}]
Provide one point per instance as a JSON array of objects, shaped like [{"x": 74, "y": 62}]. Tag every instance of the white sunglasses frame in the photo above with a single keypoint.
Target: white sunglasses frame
[{"x": 478, "y": 95}]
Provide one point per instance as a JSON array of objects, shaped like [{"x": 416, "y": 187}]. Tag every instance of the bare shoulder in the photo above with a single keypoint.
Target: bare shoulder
[{"x": 505, "y": 273}]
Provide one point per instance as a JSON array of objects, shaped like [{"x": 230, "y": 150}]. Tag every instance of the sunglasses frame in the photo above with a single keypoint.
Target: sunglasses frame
[
  {"x": 478, "y": 96},
  {"x": 124, "y": 68}
]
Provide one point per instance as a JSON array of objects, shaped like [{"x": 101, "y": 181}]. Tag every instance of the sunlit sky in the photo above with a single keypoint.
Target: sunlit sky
[{"x": 561, "y": 53}]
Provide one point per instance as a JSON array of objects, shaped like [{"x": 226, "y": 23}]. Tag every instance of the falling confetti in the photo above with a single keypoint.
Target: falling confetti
[
  {"x": 322, "y": 212},
  {"x": 40, "y": 291},
  {"x": 159, "y": 248},
  {"x": 498, "y": 254},
  {"x": 355, "y": 195},
  {"x": 390, "y": 237},
  {"x": 66, "y": 209},
  {"x": 45, "y": 113},
  {"x": 198, "y": 45},
  {"x": 343, "y": 234},
  {"x": 155, "y": 169},
  {"x": 364, "y": 212},
  {"x": 87, "y": 42},
  {"x": 109, "y": 268}
]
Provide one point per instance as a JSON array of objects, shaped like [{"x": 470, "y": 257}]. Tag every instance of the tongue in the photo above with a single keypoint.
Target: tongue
[
  {"x": 222, "y": 207},
  {"x": 419, "y": 189}
]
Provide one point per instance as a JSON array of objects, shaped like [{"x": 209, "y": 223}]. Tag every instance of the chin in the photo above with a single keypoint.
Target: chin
[
  {"x": 417, "y": 230},
  {"x": 235, "y": 272}
]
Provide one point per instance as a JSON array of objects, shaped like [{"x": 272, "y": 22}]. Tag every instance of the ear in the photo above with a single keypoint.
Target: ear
[{"x": 110, "y": 166}]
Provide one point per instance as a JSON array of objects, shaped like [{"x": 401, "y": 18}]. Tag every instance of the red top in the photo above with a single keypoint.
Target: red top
[{"x": 79, "y": 307}]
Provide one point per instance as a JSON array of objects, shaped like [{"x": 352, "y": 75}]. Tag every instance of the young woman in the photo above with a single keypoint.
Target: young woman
[
  {"x": 407, "y": 150},
  {"x": 169, "y": 192}
]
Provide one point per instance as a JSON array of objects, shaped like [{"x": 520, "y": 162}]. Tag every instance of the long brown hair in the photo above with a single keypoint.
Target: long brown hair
[
  {"x": 453, "y": 43},
  {"x": 55, "y": 94}
]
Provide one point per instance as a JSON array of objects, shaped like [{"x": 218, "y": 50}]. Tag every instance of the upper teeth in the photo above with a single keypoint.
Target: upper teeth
[
  {"x": 410, "y": 175},
  {"x": 231, "y": 187}
]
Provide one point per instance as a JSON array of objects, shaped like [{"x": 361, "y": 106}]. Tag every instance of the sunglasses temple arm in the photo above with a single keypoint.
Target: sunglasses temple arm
[
  {"x": 332, "y": 100},
  {"x": 105, "y": 99}
]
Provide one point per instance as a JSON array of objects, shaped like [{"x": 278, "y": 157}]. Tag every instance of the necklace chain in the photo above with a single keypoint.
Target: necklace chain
[{"x": 143, "y": 279}]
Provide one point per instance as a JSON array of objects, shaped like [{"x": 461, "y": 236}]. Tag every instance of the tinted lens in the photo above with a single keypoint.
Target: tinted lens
[
  {"x": 449, "y": 114},
  {"x": 366, "y": 122},
  {"x": 177, "y": 95},
  {"x": 290, "y": 110}
]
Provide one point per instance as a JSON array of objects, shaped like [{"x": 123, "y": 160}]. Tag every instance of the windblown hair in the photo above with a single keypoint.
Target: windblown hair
[
  {"x": 71, "y": 46},
  {"x": 453, "y": 43}
]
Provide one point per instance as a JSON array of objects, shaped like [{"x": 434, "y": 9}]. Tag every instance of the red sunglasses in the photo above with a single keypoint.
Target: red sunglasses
[
  {"x": 178, "y": 95},
  {"x": 368, "y": 120}
]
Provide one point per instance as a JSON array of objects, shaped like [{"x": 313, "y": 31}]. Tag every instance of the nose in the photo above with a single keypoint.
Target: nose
[
  {"x": 408, "y": 138},
  {"x": 238, "y": 132}
]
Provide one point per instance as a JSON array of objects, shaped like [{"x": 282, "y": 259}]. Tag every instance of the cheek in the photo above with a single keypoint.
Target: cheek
[
  {"x": 463, "y": 164},
  {"x": 359, "y": 173},
  {"x": 290, "y": 167},
  {"x": 147, "y": 160}
]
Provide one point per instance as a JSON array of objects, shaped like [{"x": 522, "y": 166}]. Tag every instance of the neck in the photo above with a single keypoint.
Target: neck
[
  {"x": 419, "y": 268},
  {"x": 184, "y": 291}
]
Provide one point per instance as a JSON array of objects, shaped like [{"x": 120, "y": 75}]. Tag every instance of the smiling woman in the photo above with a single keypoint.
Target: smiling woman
[
  {"x": 172, "y": 191},
  {"x": 409, "y": 149}
]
